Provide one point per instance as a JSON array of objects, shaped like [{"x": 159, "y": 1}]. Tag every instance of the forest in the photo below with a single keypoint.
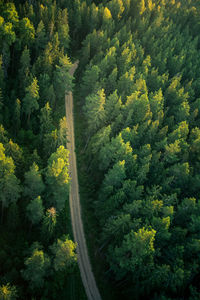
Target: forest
[
  {"x": 138, "y": 93},
  {"x": 37, "y": 254}
]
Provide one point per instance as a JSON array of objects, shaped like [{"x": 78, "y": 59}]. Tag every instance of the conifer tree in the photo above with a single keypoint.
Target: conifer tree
[{"x": 30, "y": 101}]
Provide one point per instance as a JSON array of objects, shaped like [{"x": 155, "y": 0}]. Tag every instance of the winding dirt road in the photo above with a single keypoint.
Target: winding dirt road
[{"x": 75, "y": 209}]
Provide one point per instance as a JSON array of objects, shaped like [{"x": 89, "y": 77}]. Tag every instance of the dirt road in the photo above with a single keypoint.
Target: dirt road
[{"x": 75, "y": 209}]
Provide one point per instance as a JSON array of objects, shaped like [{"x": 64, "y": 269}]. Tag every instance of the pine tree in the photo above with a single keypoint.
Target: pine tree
[
  {"x": 9, "y": 184},
  {"x": 34, "y": 210},
  {"x": 94, "y": 111},
  {"x": 30, "y": 101},
  {"x": 33, "y": 183},
  {"x": 36, "y": 269},
  {"x": 64, "y": 255}
]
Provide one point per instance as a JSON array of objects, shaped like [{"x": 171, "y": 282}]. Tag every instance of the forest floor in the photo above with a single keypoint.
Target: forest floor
[{"x": 75, "y": 209}]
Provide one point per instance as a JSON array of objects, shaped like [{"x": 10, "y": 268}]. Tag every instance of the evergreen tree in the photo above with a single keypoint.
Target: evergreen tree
[
  {"x": 64, "y": 255},
  {"x": 46, "y": 122},
  {"x": 62, "y": 78},
  {"x": 36, "y": 268},
  {"x": 34, "y": 210},
  {"x": 94, "y": 111},
  {"x": 57, "y": 178},
  {"x": 30, "y": 101},
  {"x": 8, "y": 182},
  {"x": 33, "y": 183},
  {"x": 24, "y": 71}
]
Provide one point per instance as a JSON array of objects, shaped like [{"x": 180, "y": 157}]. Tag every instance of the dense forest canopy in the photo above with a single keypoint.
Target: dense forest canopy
[
  {"x": 138, "y": 84},
  {"x": 36, "y": 253}
]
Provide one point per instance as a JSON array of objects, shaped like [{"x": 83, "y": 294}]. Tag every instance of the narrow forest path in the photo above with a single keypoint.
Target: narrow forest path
[{"x": 75, "y": 209}]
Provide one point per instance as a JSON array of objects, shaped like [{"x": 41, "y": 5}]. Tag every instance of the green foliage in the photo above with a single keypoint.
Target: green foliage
[
  {"x": 29, "y": 102},
  {"x": 34, "y": 210},
  {"x": 14, "y": 151},
  {"x": 24, "y": 71},
  {"x": 115, "y": 175},
  {"x": 94, "y": 110},
  {"x": 55, "y": 138},
  {"x": 9, "y": 184},
  {"x": 40, "y": 37},
  {"x": 33, "y": 183},
  {"x": 117, "y": 8},
  {"x": 139, "y": 247},
  {"x": 138, "y": 84},
  {"x": 34, "y": 76},
  {"x": 26, "y": 31},
  {"x": 36, "y": 268},
  {"x": 62, "y": 77},
  {"x": 8, "y": 292},
  {"x": 46, "y": 122},
  {"x": 17, "y": 115},
  {"x": 64, "y": 255},
  {"x": 63, "y": 28},
  {"x": 90, "y": 80},
  {"x": 143, "y": 145},
  {"x": 57, "y": 178}
]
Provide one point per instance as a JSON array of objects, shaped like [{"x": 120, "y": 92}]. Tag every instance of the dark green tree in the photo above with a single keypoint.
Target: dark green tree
[
  {"x": 94, "y": 111},
  {"x": 33, "y": 183},
  {"x": 34, "y": 210},
  {"x": 9, "y": 184},
  {"x": 36, "y": 269},
  {"x": 30, "y": 101}
]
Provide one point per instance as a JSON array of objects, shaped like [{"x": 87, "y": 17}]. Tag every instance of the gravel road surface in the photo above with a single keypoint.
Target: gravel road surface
[{"x": 75, "y": 208}]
